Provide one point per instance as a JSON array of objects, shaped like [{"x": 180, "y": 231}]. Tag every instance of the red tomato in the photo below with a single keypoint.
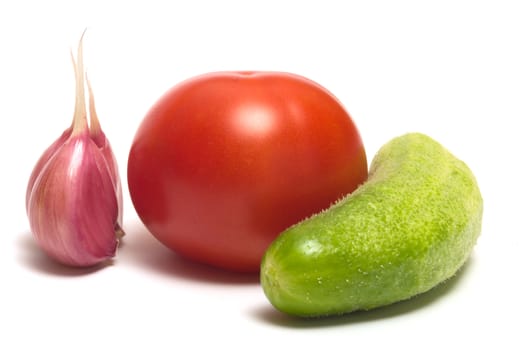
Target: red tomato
[{"x": 224, "y": 162}]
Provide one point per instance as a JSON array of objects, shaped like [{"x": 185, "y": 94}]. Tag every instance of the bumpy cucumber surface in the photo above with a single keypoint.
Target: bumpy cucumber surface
[{"x": 409, "y": 227}]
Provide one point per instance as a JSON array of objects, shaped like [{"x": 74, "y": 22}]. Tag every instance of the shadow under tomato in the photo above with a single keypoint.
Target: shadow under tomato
[
  {"x": 142, "y": 249},
  {"x": 32, "y": 256},
  {"x": 266, "y": 313}
]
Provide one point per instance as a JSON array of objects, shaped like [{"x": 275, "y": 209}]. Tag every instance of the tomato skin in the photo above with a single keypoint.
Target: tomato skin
[{"x": 223, "y": 162}]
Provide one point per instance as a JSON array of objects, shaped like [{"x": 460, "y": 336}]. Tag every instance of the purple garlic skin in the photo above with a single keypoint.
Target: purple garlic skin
[
  {"x": 74, "y": 195},
  {"x": 44, "y": 158},
  {"x": 73, "y": 206}
]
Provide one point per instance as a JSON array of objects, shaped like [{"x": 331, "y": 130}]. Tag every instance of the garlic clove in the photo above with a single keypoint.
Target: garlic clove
[
  {"x": 74, "y": 195},
  {"x": 73, "y": 206}
]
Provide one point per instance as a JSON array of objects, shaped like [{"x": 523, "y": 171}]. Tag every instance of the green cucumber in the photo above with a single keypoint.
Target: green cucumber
[{"x": 409, "y": 227}]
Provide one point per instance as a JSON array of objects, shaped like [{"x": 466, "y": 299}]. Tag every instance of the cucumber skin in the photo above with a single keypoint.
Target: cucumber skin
[{"x": 409, "y": 227}]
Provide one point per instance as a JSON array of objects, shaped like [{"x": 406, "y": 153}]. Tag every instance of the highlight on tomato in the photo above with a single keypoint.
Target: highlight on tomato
[{"x": 225, "y": 161}]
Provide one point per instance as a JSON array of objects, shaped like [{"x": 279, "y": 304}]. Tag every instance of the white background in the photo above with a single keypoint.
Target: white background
[{"x": 456, "y": 70}]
